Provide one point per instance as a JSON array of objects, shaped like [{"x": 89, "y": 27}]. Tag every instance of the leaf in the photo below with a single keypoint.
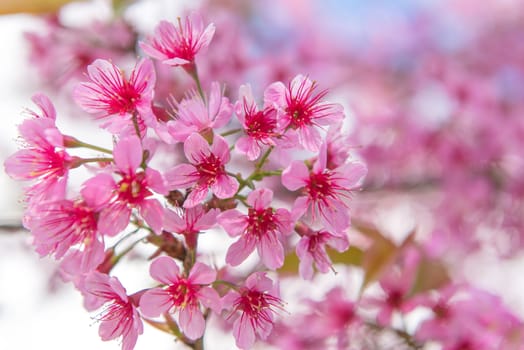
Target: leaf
[
  {"x": 377, "y": 258},
  {"x": 352, "y": 256},
  {"x": 431, "y": 274},
  {"x": 31, "y": 6}
]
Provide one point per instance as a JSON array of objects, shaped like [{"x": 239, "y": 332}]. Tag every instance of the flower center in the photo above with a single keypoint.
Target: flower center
[
  {"x": 210, "y": 169},
  {"x": 125, "y": 100},
  {"x": 133, "y": 188},
  {"x": 319, "y": 186},
  {"x": 183, "y": 293},
  {"x": 261, "y": 124},
  {"x": 260, "y": 222}
]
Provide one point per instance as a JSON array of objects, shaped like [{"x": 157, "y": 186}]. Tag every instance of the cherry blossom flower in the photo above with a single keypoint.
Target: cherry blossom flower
[
  {"x": 207, "y": 170},
  {"x": 262, "y": 228},
  {"x": 183, "y": 294},
  {"x": 190, "y": 222},
  {"x": 311, "y": 249},
  {"x": 254, "y": 306},
  {"x": 301, "y": 109},
  {"x": 59, "y": 225},
  {"x": 326, "y": 190},
  {"x": 119, "y": 317},
  {"x": 193, "y": 114},
  {"x": 179, "y": 46},
  {"x": 260, "y": 126},
  {"x": 44, "y": 157},
  {"x": 134, "y": 190},
  {"x": 111, "y": 94}
]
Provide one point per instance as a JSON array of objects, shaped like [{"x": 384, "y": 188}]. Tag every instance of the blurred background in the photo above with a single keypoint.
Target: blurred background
[{"x": 433, "y": 91}]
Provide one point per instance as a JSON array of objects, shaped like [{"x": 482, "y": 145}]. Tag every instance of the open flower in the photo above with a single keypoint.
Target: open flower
[
  {"x": 111, "y": 94},
  {"x": 44, "y": 157},
  {"x": 193, "y": 114},
  {"x": 119, "y": 317},
  {"x": 326, "y": 190},
  {"x": 262, "y": 228},
  {"x": 302, "y": 109},
  {"x": 206, "y": 171},
  {"x": 183, "y": 294},
  {"x": 260, "y": 126},
  {"x": 179, "y": 46},
  {"x": 254, "y": 308},
  {"x": 132, "y": 191},
  {"x": 190, "y": 221},
  {"x": 311, "y": 249}
]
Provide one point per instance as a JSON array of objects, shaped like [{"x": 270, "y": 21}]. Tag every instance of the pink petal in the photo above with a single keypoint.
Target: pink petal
[
  {"x": 155, "y": 302},
  {"x": 173, "y": 222},
  {"x": 128, "y": 154},
  {"x": 165, "y": 270},
  {"x": 295, "y": 175},
  {"x": 220, "y": 148},
  {"x": 339, "y": 242},
  {"x": 248, "y": 146},
  {"x": 271, "y": 251},
  {"x": 275, "y": 95},
  {"x": 98, "y": 190},
  {"x": 181, "y": 176},
  {"x": 202, "y": 274},
  {"x": 239, "y": 251},
  {"x": 309, "y": 138},
  {"x": 155, "y": 181},
  {"x": 244, "y": 333},
  {"x": 351, "y": 174},
  {"x": 196, "y": 197},
  {"x": 225, "y": 186},
  {"x": 207, "y": 220},
  {"x": 210, "y": 298},
  {"x": 144, "y": 76},
  {"x": 299, "y": 208},
  {"x": 153, "y": 213},
  {"x": 233, "y": 221},
  {"x": 45, "y": 105},
  {"x": 192, "y": 322},
  {"x": 260, "y": 198},
  {"x": 196, "y": 148},
  {"x": 114, "y": 219}
]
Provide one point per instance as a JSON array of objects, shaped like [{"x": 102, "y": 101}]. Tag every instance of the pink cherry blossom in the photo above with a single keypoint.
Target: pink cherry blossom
[
  {"x": 193, "y": 114},
  {"x": 262, "y": 227},
  {"x": 133, "y": 190},
  {"x": 311, "y": 249},
  {"x": 183, "y": 294},
  {"x": 119, "y": 317},
  {"x": 254, "y": 307},
  {"x": 302, "y": 109},
  {"x": 59, "y": 225},
  {"x": 326, "y": 190},
  {"x": 206, "y": 171},
  {"x": 190, "y": 222},
  {"x": 111, "y": 94},
  {"x": 260, "y": 126},
  {"x": 179, "y": 46},
  {"x": 44, "y": 157}
]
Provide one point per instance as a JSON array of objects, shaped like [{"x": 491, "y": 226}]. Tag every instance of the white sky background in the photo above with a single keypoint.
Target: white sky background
[{"x": 34, "y": 317}]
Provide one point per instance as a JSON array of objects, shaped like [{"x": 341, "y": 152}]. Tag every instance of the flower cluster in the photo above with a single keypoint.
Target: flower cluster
[{"x": 171, "y": 207}]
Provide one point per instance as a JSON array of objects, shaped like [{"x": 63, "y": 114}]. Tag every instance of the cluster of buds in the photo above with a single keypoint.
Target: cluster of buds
[{"x": 267, "y": 174}]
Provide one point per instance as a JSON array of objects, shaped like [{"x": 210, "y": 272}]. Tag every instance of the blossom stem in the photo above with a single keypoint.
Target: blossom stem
[
  {"x": 230, "y": 132},
  {"x": 262, "y": 161},
  {"x": 81, "y": 161},
  {"x": 72, "y": 142},
  {"x": 135, "y": 124},
  {"x": 194, "y": 74}
]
